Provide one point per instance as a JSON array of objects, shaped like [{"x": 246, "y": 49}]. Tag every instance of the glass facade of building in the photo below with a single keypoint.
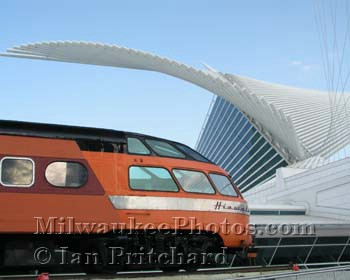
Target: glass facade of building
[{"x": 232, "y": 142}]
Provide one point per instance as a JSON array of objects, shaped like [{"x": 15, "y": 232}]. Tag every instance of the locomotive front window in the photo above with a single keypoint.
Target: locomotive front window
[
  {"x": 193, "y": 181},
  {"x": 135, "y": 146},
  {"x": 223, "y": 184},
  {"x": 165, "y": 149},
  {"x": 17, "y": 172},
  {"x": 151, "y": 179},
  {"x": 66, "y": 174}
]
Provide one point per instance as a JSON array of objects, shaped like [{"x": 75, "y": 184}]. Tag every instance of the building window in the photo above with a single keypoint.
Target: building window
[
  {"x": 151, "y": 179},
  {"x": 135, "y": 146},
  {"x": 193, "y": 181},
  {"x": 223, "y": 184},
  {"x": 17, "y": 172},
  {"x": 164, "y": 149},
  {"x": 66, "y": 174}
]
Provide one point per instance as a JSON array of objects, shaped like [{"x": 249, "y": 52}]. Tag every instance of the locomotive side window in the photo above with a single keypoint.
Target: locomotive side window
[
  {"x": 193, "y": 181},
  {"x": 135, "y": 146},
  {"x": 16, "y": 172},
  {"x": 151, "y": 179},
  {"x": 66, "y": 174},
  {"x": 223, "y": 184},
  {"x": 164, "y": 149}
]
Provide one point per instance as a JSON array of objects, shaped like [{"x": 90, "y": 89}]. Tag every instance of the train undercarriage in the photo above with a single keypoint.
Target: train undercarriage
[{"x": 110, "y": 253}]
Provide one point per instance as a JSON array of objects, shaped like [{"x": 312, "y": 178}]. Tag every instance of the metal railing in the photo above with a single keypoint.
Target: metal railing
[
  {"x": 312, "y": 245},
  {"x": 329, "y": 273}
]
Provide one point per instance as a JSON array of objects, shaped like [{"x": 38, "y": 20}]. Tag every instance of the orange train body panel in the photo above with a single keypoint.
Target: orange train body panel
[{"x": 31, "y": 146}]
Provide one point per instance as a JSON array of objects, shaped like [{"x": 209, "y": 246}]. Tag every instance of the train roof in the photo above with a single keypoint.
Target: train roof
[
  {"x": 59, "y": 131},
  {"x": 81, "y": 134}
]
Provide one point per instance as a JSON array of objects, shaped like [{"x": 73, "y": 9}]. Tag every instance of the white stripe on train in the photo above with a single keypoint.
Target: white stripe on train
[{"x": 178, "y": 204}]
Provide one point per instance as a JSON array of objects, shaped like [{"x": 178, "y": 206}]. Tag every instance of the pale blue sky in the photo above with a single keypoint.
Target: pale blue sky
[{"x": 269, "y": 40}]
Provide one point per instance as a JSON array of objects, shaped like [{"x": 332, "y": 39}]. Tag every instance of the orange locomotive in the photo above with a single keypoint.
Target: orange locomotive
[{"x": 94, "y": 189}]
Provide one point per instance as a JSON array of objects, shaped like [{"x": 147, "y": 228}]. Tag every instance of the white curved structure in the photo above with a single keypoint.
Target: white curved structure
[{"x": 297, "y": 122}]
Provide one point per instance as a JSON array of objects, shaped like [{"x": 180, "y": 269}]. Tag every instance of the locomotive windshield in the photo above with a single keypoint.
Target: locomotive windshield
[{"x": 223, "y": 184}]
